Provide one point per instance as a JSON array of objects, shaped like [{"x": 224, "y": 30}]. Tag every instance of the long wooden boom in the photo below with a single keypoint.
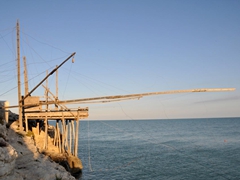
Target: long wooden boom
[
  {"x": 137, "y": 96},
  {"x": 105, "y": 99}
]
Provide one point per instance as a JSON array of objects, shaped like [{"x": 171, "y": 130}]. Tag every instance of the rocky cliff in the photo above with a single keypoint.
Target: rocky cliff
[{"x": 20, "y": 158}]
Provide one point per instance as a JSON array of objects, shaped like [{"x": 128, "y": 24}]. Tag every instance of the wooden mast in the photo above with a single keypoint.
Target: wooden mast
[
  {"x": 19, "y": 80},
  {"x": 56, "y": 97},
  {"x": 25, "y": 75}
]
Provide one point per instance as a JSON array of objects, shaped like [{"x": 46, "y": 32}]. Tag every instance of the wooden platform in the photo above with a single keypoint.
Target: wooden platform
[{"x": 80, "y": 113}]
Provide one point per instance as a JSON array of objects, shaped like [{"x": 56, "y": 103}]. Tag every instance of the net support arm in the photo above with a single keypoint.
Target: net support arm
[{"x": 106, "y": 99}]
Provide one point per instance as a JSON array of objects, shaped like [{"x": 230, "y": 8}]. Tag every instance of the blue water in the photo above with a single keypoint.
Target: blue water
[{"x": 198, "y": 149}]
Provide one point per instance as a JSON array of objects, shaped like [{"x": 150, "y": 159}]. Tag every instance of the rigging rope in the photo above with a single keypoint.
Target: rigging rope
[{"x": 67, "y": 81}]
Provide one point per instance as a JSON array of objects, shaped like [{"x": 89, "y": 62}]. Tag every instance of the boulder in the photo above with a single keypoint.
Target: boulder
[{"x": 8, "y": 157}]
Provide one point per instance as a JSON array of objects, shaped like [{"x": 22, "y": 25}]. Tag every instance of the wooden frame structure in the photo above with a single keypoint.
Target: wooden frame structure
[{"x": 65, "y": 133}]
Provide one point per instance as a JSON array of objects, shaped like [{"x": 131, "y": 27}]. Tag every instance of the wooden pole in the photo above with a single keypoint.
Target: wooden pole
[
  {"x": 55, "y": 135},
  {"x": 53, "y": 71},
  {"x": 46, "y": 134},
  {"x": 70, "y": 136},
  {"x": 46, "y": 92},
  {"x": 25, "y": 75},
  {"x": 26, "y": 123},
  {"x": 73, "y": 135},
  {"x": 66, "y": 136},
  {"x": 59, "y": 138},
  {"x": 56, "y": 97},
  {"x": 63, "y": 134},
  {"x": 76, "y": 136},
  {"x": 19, "y": 80}
]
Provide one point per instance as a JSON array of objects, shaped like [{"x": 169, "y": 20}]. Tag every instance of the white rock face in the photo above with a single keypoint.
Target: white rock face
[
  {"x": 20, "y": 159},
  {"x": 3, "y": 130},
  {"x": 8, "y": 157},
  {"x": 8, "y": 154}
]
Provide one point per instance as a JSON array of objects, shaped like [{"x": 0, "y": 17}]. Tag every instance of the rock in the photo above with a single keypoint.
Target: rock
[
  {"x": 12, "y": 116},
  {"x": 20, "y": 158},
  {"x": 75, "y": 165},
  {"x": 3, "y": 130},
  {"x": 8, "y": 157}
]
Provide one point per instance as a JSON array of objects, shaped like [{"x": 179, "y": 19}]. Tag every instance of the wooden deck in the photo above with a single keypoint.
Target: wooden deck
[{"x": 80, "y": 113}]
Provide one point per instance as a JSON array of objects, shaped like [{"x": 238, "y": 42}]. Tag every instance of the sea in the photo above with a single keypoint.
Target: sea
[{"x": 187, "y": 149}]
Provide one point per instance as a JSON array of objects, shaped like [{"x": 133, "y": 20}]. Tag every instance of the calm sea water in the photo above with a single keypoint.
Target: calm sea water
[{"x": 198, "y": 149}]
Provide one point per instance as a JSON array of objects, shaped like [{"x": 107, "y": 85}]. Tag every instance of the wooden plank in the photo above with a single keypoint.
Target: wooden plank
[{"x": 56, "y": 115}]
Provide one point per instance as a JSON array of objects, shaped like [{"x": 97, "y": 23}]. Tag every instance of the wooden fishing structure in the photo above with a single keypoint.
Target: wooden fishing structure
[
  {"x": 66, "y": 137},
  {"x": 67, "y": 119},
  {"x": 66, "y": 130}
]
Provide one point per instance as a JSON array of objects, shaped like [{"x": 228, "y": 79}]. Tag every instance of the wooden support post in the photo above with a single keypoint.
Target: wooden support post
[
  {"x": 63, "y": 134},
  {"x": 55, "y": 135},
  {"x": 26, "y": 123},
  {"x": 76, "y": 136},
  {"x": 23, "y": 111},
  {"x": 73, "y": 135},
  {"x": 19, "y": 81},
  {"x": 70, "y": 136},
  {"x": 59, "y": 138},
  {"x": 46, "y": 134},
  {"x": 66, "y": 136}
]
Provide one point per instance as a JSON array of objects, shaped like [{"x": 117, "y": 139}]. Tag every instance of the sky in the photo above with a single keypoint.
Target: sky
[{"x": 127, "y": 47}]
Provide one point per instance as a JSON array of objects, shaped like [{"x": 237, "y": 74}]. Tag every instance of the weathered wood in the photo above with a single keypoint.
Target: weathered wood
[
  {"x": 46, "y": 134},
  {"x": 105, "y": 99},
  {"x": 46, "y": 92},
  {"x": 59, "y": 138},
  {"x": 19, "y": 80},
  {"x": 55, "y": 69},
  {"x": 70, "y": 136},
  {"x": 56, "y": 97},
  {"x": 66, "y": 136},
  {"x": 26, "y": 123},
  {"x": 55, "y": 135},
  {"x": 73, "y": 136},
  {"x": 63, "y": 134},
  {"x": 52, "y": 115},
  {"x": 76, "y": 137},
  {"x": 25, "y": 75}
]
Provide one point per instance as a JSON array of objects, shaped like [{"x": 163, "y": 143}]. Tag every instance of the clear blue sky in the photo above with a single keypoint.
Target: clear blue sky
[{"x": 126, "y": 47}]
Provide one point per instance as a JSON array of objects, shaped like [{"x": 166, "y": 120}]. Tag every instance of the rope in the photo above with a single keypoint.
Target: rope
[{"x": 67, "y": 81}]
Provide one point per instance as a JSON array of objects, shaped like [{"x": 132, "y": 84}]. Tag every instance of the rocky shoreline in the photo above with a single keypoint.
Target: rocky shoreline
[{"x": 21, "y": 159}]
